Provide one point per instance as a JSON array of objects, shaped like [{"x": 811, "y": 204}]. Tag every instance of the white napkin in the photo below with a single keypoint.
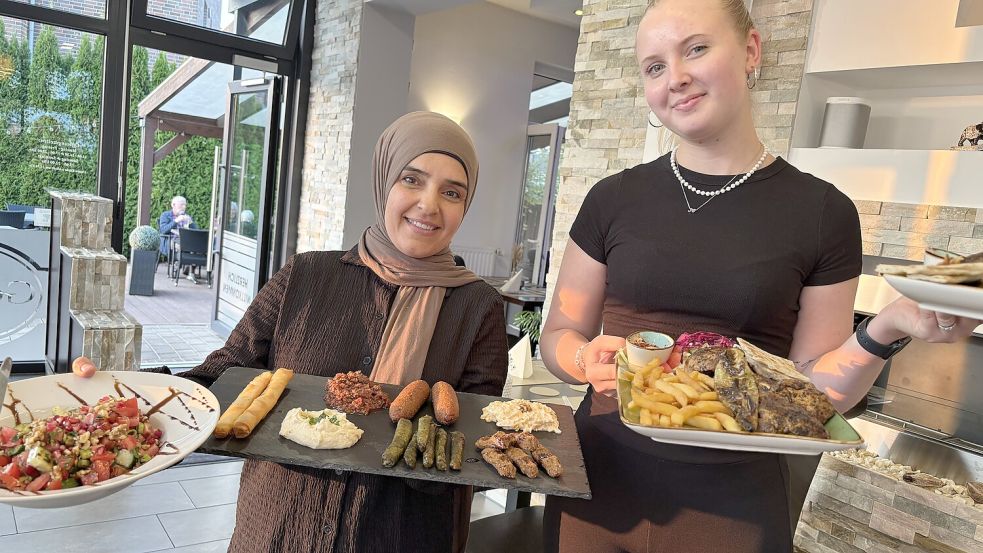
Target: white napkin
[
  {"x": 513, "y": 284},
  {"x": 520, "y": 359}
]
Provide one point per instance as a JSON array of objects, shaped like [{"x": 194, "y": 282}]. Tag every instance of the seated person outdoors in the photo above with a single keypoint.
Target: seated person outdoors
[{"x": 173, "y": 219}]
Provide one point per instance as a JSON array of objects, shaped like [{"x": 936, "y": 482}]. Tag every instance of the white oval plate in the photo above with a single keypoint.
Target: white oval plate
[
  {"x": 187, "y": 421},
  {"x": 766, "y": 443},
  {"x": 955, "y": 299}
]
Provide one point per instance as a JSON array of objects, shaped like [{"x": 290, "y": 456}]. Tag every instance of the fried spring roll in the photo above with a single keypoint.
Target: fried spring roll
[
  {"x": 262, "y": 405},
  {"x": 241, "y": 403}
]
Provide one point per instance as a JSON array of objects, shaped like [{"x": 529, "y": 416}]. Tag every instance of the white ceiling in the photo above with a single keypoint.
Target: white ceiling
[{"x": 557, "y": 11}]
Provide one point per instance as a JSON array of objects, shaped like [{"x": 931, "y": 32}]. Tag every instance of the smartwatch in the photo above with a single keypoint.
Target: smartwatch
[{"x": 876, "y": 348}]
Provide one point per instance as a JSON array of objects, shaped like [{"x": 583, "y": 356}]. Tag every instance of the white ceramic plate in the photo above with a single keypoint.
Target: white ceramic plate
[
  {"x": 842, "y": 435},
  {"x": 955, "y": 299},
  {"x": 186, "y": 421},
  {"x": 766, "y": 443}
]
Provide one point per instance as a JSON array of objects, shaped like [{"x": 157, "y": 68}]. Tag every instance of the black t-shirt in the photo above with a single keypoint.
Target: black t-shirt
[{"x": 736, "y": 266}]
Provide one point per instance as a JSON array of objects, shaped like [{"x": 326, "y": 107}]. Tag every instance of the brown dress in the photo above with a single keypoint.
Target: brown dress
[{"x": 322, "y": 314}]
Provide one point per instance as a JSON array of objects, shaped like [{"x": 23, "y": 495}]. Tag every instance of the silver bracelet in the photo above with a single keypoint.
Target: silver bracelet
[{"x": 578, "y": 359}]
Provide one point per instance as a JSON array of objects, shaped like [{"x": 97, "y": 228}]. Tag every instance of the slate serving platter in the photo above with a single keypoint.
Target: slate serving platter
[{"x": 307, "y": 392}]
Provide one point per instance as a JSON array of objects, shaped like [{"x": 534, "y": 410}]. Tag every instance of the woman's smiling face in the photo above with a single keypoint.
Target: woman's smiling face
[
  {"x": 426, "y": 205},
  {"x": 694, "y": 66}
]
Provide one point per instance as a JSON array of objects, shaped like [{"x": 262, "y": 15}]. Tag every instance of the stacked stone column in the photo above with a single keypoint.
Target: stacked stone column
[{"x": 111, "y": 337}]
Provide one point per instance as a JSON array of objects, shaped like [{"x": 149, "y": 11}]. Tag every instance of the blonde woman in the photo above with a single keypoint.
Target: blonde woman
[{"x": 719, "y": 235}]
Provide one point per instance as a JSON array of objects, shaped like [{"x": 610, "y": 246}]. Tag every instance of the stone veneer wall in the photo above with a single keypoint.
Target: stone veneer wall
[
  {"x": 608, "y": 113},
  {"x": 321, "y": 222},
  {"x": 852, "y": 509},
  {"x": 904, "y": 230}
]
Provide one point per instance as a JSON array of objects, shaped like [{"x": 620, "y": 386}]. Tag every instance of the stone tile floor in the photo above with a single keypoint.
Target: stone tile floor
[
  {"x": 178, "y": 345},
  {"x": 189, "y": 508}
]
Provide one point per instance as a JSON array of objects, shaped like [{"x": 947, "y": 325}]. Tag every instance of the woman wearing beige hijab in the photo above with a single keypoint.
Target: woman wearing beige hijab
[{"x": 395, "y": 307}]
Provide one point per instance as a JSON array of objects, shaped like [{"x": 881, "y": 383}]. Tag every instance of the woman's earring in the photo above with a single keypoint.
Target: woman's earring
[
  {"x": 659, "y": 126},
  {"x": 752, "y": 77}
]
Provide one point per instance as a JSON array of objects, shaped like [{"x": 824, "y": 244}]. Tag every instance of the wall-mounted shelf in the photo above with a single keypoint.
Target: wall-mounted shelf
[
  {"x": 968, "y": 73},
  {"x": 936, "y": 177}
]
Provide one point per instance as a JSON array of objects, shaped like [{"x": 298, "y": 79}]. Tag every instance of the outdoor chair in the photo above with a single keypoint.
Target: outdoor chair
[
  {"x": 192, "y": 250},
  {"x": 12, "y": 219}
]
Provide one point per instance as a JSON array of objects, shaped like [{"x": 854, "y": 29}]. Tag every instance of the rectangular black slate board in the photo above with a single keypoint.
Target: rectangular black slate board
[{"x": 307, "y": 392}]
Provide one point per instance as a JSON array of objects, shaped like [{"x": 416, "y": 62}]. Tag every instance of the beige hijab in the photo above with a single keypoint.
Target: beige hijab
[{"x": 422, "y": 282}]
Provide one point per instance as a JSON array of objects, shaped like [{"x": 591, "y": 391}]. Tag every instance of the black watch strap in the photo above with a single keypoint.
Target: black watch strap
[{"x": 876, "y": 348}]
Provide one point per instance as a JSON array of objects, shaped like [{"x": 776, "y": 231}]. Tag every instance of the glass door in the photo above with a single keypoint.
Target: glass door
[
  {"x": 247, "y": 178},
  {"x": 533, "y": 232}
]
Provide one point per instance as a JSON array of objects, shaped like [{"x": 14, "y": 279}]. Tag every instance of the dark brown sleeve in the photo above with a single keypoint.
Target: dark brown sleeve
[
  {"x": 249, "y": 343},
  {"x": 488, "y": 361}
]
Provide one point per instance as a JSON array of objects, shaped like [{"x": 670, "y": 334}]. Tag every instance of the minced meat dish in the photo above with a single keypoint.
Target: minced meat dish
[{"x": 354, "y": 393}]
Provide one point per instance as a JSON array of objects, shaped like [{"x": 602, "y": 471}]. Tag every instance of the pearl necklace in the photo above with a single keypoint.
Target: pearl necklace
[{"x": 728, "y": 188}]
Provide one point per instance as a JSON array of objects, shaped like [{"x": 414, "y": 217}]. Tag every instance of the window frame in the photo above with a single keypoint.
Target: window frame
[{"x": 142, "y": 19}]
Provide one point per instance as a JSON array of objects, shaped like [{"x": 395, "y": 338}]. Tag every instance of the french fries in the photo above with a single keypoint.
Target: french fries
[{"x": 679, "y": 399}]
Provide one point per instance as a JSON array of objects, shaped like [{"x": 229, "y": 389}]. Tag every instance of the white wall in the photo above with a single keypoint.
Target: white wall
[
  {"x": 925, "y": 120},
  {"x": 858, "y": 34},
  {"x": 381, "y": 85},
  {"x": 475, "y": 64}
]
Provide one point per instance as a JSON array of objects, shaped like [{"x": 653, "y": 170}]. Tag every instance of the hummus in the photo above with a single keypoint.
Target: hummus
[{"x": 325, "y": 429}]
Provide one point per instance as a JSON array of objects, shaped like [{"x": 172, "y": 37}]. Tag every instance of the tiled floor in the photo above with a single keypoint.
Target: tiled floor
[
  {"x": 178, "y": 346},
  {"x": 186, "y": 509}
]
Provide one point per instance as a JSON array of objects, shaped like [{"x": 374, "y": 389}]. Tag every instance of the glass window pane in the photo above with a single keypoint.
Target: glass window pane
[
  {"x": 91, "y": 8},
  {"x": 264, "y": 20},
  {"x": 50, "y": 97},
  {"x": 529, "y": 238}
]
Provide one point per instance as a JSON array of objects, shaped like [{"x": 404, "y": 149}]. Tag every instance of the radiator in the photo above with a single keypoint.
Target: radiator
[{"x": 481, "y": 261}]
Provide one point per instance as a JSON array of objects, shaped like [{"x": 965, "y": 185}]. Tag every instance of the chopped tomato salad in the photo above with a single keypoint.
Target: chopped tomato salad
[{"x": 80, "y": 447}]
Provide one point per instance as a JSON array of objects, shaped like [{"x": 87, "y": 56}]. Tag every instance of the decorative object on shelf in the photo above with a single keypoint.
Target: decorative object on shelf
[
  {"x": 844, "y": 122},
  {"x": 974, "y": 135},
  {"x": 144, "y": 244}
]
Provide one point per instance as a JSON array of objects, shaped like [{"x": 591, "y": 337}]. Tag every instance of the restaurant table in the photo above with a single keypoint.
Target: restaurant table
[
  {"x": 542, "y": 386},
  {"x": 528, "y": 298}
]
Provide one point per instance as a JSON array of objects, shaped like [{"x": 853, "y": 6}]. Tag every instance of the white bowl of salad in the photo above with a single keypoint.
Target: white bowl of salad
[{"x": 66, "y": 440}]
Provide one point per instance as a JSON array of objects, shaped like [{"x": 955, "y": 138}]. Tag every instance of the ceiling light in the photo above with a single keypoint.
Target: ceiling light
[{"x": 578, "y": 12}]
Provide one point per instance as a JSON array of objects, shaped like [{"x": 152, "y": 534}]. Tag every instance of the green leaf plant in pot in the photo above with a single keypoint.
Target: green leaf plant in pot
[
  {"x": 144, "y": 252},
  {"x": 529, "y": 322}
]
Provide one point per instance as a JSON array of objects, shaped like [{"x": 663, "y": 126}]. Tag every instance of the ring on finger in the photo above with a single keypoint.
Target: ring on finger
[{"x": 947, "y": 328}]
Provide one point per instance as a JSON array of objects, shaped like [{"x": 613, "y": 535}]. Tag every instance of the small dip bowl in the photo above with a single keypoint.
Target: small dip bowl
[{"x": 648, "y": 347}]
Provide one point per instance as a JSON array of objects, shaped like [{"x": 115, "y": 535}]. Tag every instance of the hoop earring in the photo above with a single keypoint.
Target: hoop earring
[
  {"x": 653, "y": 124},
  {"x": 756, "y": 74}
]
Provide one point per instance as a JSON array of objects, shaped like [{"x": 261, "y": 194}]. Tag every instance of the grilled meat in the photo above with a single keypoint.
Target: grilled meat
[
  {"x": 779, "y": 413},
  {"x": 499, "y": 461},
  {"x": 498, "y": 440},
  {"x": 703, "y": 359},
  {"x": 736, "y": 387},
  {"x": 522, "y": 460},
  {"x": 546, "y": 459},
  {"x": 806, "y": 395}
]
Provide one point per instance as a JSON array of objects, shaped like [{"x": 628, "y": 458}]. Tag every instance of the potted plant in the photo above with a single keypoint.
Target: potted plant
[
  {"x": 144, "y": 252},
  {"x": 529, "y": 323}
]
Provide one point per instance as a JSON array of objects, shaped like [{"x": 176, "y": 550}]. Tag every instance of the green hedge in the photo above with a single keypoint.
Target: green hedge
[{"x": 49, "y": 129}]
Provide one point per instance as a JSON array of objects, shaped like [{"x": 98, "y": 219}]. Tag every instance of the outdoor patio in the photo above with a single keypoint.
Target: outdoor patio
[{"x": 176, "y": 329}]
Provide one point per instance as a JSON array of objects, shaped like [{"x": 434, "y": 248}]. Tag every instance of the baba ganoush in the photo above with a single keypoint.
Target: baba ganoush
[
  {"x": 324, "y": 429},
  {"x": 521, "y": 414}
]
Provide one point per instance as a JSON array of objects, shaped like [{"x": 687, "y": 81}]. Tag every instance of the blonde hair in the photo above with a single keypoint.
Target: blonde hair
[{"x": 737, "y": 11}]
